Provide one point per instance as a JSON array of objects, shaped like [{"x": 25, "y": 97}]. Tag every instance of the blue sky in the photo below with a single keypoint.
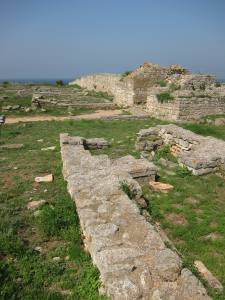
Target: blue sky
[{"x": 67, "y": 38}]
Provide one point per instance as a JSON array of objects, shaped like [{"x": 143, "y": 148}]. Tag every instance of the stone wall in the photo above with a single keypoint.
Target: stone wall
[
  {"x": 133, "y": 260},
  {"x": 99, "y": 82},
  {"x": 186, "y": 109}
]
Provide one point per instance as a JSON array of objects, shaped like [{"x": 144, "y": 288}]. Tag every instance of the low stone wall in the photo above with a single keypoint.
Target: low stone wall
[
  {"x": 99, "y": 82},
  {"x": 201, "y": 155},
  {"x": 186, "y": 109},
  {"x": 133, "y": 260}
]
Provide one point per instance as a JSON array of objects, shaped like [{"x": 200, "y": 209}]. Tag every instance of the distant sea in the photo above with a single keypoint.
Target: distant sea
[
  {"x": 50, "y": 80},
  {"x": 38, "y": 81}
]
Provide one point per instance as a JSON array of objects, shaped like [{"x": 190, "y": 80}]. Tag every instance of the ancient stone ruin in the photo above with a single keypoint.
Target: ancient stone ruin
[
  {"x": 170, "y": 93},
  {"x": 201, "y": 155},
  {"x": 133, "y": 260}
]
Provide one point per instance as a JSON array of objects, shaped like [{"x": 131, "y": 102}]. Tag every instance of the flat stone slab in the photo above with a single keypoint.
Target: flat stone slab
[
  {"x": 160, "y": 186},
  {"x": 202, "y": 155},
  {"x": 11, "y": 146},
  {"x": 133, "y": 261}
]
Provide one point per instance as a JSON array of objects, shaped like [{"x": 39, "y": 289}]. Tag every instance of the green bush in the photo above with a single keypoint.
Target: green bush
[
  {"x": 164, "y": 97},
  {"x": 59, "y": 83},
  {"x": 126, "y": 73}
]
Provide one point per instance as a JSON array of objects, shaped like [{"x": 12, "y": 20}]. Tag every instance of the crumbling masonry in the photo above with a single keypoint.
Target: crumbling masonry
[{"x": 186, "y": 96}]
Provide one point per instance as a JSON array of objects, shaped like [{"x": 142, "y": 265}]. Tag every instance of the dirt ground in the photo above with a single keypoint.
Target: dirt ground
[{"x": 96, "y": 115}]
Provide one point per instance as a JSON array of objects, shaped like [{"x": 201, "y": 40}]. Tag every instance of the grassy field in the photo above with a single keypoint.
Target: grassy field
[{"x": 25, "y": 273}]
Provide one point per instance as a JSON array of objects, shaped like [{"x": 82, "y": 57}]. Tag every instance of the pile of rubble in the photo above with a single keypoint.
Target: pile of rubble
[{"x": 199, "y": 154}]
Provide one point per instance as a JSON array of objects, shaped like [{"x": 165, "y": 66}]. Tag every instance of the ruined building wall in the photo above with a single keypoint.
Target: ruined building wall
[
  {"x": 99, "y": 82},
  {"x": 185, "y": 108}
]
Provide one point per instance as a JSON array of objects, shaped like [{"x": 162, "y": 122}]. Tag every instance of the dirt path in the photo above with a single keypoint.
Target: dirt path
[{"x": 96, "y": 115}]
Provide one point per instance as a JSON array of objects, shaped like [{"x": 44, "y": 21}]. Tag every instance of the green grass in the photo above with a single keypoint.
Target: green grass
[
  {"x": 199, "y": 203},
  {"x": 164, "y": 97},
  {"x": 27, "y": 274}
]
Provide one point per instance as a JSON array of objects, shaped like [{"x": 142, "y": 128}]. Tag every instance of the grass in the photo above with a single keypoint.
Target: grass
[
  {"x": 164, "y": 97},
  {"x": 27, "y": 274}
]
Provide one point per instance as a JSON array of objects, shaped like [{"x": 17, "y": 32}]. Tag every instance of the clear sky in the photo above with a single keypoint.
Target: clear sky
[{"x": 67, "y": 38}]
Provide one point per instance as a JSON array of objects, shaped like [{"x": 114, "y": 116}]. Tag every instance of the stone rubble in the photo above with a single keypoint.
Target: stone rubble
[
  {"x": 160, "y": 186},
  {"x": 35, "y": 204},
  {"x": 201, "y": 155},
  {"x": 208, "y": 276},
  {"x": 46, "y": 178},
  {"x": 133, "y": 261}
]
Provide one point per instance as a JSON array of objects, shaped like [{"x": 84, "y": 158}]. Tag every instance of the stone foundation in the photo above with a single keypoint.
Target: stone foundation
[
  {"x": 133, "y": 260},
  {"x": 201, "y": 155}
]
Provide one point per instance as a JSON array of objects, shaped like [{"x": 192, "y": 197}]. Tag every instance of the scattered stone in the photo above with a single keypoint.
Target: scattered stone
[
  {"x": 40, "y": 141},
  {"x": 208, "y": 276},
  {"x": 213, "y": 236},
  {"x": 15, "y": 107},
  {"x": 46, "y": 178},
  {"x": 176, "y": 219},
  {"x": 56, "y": 259},
  {"x": 38, "y": 248},
  {"x": 27, "y": 109},
  {"x": 48, "y": 148},
  {"x": 35, "y": 204},
  {"x": 219, "y": 121},
  {"x": 11, "y": 146},
  {"x": 67, "y": 258},
  {"x": 160, "y": 187}
]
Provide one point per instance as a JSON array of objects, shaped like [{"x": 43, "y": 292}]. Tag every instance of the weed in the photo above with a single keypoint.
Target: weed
[
  {"x": 164, "y": 97},
  {"x": 127, "y": 190}
]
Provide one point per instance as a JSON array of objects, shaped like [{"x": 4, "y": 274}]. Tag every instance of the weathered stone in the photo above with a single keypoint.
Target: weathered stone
[
  {"x": 46, "y": 178},
  {"x": 130, "y": 254},
  {"x": 201, "y": 155},
  {"x": 208, "y": 276},
  {"x": 48, "y": 148},
  {"x": 160, "y": 186},
  {"x": 11, "y": 146},
  {"x": 219, "y": 121},
  {"x": 35, "y": 204}
]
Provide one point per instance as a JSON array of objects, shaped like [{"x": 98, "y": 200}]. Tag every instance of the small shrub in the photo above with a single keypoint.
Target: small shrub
[
  {"x": 126, "y": 73},
  {"x": 5, "y": 83},
  {"x": 59, "y": 83},
  {"x": 164, "y": 97},
  {"x": 126, "y": 189},
  {"x": 202, "y": 86}
]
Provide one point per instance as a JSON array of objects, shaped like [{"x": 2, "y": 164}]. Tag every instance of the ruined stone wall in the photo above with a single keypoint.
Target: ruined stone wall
[
  {"x": 133, "y": 260},
  {"x": 99, "y": 82},
  {"x": 186, "y": 109},
  {"x": 163, "y": 110}
]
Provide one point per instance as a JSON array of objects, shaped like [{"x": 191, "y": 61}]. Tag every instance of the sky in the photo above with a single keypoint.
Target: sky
[{"x": 70, "y": 38}]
